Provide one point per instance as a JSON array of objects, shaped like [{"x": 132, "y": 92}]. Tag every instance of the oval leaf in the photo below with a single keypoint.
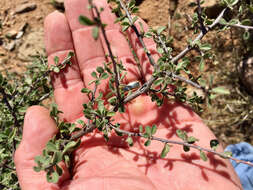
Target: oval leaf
[{"x": 85, "y": 21}]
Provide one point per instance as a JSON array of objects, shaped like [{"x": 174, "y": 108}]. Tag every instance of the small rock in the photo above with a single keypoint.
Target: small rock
[
  {"x": 22, "y": 30},
  {"x": 11, "y": 34},
  {"x": 2, "y": 53},
  {"x": 25, "y": 8},
  {"x": 59, "y": 4},
  {"x": 19, "y": 35},
  {"x": 23, "y": 27},
  {"x": 33, "y": 44},
  {"x": 10, "y": 46},
  {"x": 3, "y": 60}
]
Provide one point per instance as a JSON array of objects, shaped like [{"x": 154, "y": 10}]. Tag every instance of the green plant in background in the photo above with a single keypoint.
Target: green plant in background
[{"x": 19, "y": 93}]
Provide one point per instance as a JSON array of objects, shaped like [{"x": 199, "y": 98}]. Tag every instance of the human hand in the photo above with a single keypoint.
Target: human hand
[{"x": 114, "y": 165}]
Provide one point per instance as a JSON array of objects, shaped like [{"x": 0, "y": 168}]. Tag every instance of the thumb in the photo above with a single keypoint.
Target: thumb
[{"x": 38, "y": 129}]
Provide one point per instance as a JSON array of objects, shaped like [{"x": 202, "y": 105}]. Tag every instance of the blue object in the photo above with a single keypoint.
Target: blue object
[{"x": 243, "y": 151}]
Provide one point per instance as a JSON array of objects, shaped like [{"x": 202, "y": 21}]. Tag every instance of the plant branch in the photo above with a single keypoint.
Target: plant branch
[
  {"x": 148, "y": 84},
  {"x": 85, "y": 130},
  {"x": 170, "y": 74},
  {"x": 239, "y": 26},
  {"x": 199, "y": 37},
  {"x": 139, "y": 36},
  {"x": 110, "y": 54},
  {"x": 143, "y": 89},
  {"x": 180, "y": 143},
  {"x": 163, "y": 45},
  {"x": 11, "y": 109},
  {"x": 201, "y": 22}
]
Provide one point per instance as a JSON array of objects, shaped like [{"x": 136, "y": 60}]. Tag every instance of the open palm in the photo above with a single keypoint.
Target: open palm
[{"x": 113, "y": 165}]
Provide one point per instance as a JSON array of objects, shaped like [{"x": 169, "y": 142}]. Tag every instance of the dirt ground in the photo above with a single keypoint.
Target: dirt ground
[{"x": 15, "y": 54}]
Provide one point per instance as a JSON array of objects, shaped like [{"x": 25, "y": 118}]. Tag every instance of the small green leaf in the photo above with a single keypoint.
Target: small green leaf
[
  {"x": 223, "y": 21},
  {"x": 111, "y": 113},
  {"x": 214, "y": 144},
  {"x": 37, "y": 169},
  {"x": 153, "y": 130},
  {"x": 104, "y": 76},
  {"x": 158, "y": 81},
  {"x": 57, "y": 157},
  {"x": 233, "y": 2},
  {"x": 148, "y": 130},
  {"x": 140, "y": 129},
  {"x": 181, "y": 134},
  {"x": 56, "y": 60},
  {"x": 85, "y": 21},
  {"x": 56, "y": 69},
  {"x": 205, "y": 47},
  {"x": 135, "y": 19},
  {"x": 85, "y": 90},
  {"x": 94, "y": 74},
  {"x": 112, "y": 100},
  {"x": 186, "y": 148},
  {"x": 220, "y": 90},
  {"x": 100, "y": 69},
  {"x": 72, "y": 145},
  {"x": 71, "y": 54},
  {"x": 51, "y": 147},
  {"x": 148, "y": 35},
  {"x": 125, "y": 28},
  {"x": 131, "y": 4},
  {"x": 67, "y": 160},
  {"x": 165, "y": 150},
  {"x": 246, "y": 22},
  {"x": 246, "y": 35},
  {"x": 148, "y": 142},
  {"x": 227, "y": 154},
  {"x": 129, "y": 140},
  {"x": 52, "y": 177},
  {"x": 95, "y": 32},
  {"x": 160, "y": 29},
  {"x": 202, "y": 65},
  {"x": 192, "y": 140},
  {"x": 203, "y": 156}
]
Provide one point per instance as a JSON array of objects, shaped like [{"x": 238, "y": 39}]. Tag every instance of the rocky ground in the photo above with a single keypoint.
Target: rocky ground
[{"x": 21, "y": 38}]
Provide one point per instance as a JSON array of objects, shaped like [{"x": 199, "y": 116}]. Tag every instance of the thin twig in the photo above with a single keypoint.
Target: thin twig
[
  {"x": 165, "y": 49},
  {"x": 185, "y": 80},
  {"x": 201, "y": 22},
  {"x": 139, "y": 36},
  {"x": 84, "y": 131},
  {"x": 239, "y": 26},
  {"x": 180, "y": 143},
  {"x": 110, "y": 54}
]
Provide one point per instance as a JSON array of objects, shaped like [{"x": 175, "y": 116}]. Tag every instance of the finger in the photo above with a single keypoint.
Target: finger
[
  {"x": 147, "y": 68},
  {"x": 68, "y": 83},
  {"x": 39, "y": 128},
  {"x": 89, "y": 51},
  {"x": 117, "y": 40}
]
